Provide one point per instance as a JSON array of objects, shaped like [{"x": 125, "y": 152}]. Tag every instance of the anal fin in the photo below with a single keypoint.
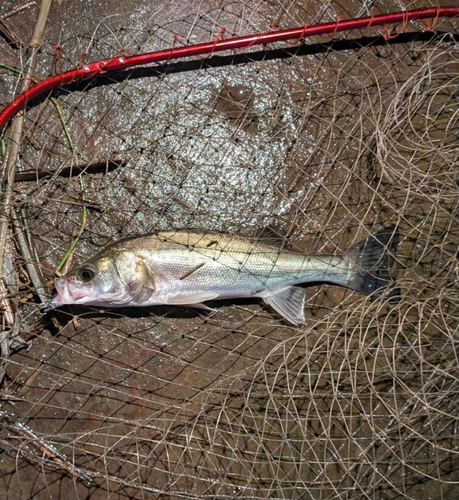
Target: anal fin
[{"x": 289, "y": 303}]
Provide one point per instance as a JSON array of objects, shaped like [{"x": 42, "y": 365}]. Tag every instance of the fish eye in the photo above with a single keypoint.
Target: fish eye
[{"x": 86, "y": 274}]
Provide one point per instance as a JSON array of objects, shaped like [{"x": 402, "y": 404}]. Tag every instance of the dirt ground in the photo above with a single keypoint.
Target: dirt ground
[{"x": 326, "y": 144}]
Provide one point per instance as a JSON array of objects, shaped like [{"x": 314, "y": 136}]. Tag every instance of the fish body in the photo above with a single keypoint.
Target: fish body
[{"x": 188, "y": 267}]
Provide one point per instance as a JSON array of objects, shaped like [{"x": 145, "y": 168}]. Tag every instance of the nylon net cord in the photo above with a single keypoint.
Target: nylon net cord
[{"x": 326, "y": 143}]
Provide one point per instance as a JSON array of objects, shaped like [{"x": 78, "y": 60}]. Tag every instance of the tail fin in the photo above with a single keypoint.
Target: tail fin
[{"x": 373, "y": 260}]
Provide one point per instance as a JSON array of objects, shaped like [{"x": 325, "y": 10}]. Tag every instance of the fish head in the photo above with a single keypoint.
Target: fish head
[{"x": 96, "y": 282}]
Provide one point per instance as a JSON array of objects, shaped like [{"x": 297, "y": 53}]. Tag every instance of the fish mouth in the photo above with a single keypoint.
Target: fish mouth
[
  {"x": 62, "y": 297},
  {"x": 64, "y": 294},
  {"x": 67, "y": 293}
]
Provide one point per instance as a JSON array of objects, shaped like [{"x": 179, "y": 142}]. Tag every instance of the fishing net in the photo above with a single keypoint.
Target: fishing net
[{"x": 324, "y": 142}]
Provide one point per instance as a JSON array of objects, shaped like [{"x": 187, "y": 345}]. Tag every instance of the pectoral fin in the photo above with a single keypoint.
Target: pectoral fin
[
  {"x": 289, "y": 303},
  {"x": 144, "y": 284},
  {"x": 144, "y": 275}
]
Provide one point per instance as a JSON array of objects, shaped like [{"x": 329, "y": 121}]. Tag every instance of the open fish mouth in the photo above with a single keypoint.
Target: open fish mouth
[
  {"x": 64, "y": 295},
  {"x": 67, "y": 293}
]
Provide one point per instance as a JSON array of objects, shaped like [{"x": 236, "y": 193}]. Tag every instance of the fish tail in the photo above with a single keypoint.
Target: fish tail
[{"x": 373, "y": 259}]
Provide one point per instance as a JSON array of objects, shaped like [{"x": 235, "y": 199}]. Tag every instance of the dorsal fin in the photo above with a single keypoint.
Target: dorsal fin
[{"x": 272, "y": 236}]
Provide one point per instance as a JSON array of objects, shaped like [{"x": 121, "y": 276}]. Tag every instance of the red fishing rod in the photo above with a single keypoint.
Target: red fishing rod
[{"x": 119, "y": 63}]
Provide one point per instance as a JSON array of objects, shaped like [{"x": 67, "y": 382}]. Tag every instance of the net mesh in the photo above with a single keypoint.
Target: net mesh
[{"x": 327, "y": 143}]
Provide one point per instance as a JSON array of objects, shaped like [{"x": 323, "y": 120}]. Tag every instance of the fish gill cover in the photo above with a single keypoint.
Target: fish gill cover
[{"x": 327, "y": 143}]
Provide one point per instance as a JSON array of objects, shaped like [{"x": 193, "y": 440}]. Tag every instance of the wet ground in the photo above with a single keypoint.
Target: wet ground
[{"x": 325, "y": 146}]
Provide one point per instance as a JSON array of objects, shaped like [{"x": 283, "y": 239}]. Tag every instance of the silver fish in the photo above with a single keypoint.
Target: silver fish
[{"x": 188, "y": 267}]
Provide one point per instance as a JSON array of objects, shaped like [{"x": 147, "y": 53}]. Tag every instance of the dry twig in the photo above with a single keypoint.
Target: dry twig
[
  {"x": 12, "y": 150},
  {"x": 48, "y": 451}
]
